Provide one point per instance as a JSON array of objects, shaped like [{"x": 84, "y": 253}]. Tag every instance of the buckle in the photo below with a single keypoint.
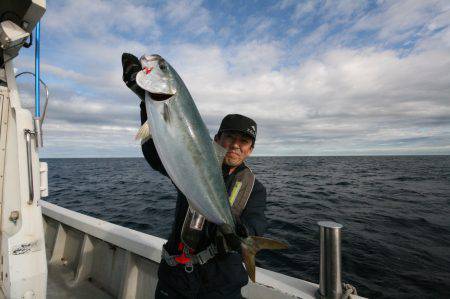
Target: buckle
[
  {"x": 188, "y": 267},
  {"x": 212, "y": 249},
  {"x": 200, "y": 259},
  {"x": 183, "y": 259},
  {"x": 206, "y": 255}
]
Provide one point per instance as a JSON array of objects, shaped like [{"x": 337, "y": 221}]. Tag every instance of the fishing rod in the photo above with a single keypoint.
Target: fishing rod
[
  {"x": 38, "y": 120},
  {"x": 37, "y": 89}
]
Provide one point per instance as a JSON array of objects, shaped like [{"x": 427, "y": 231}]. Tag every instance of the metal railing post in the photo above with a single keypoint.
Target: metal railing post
[
  {"x": 330, "y": 284},
  {"x": 28, "y": 134}
]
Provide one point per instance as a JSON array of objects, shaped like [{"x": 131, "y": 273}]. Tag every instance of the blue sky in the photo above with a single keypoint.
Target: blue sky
[{"x": 319, "y": 77}]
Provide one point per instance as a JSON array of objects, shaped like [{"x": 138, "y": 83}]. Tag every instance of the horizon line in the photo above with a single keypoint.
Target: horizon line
[{"x": 264, "y": 156}]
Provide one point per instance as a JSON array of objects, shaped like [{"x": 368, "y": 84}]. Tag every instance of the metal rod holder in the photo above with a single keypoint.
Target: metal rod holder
[
  {"x": 330, "y": 284},
  {"x": 38, "y": 131}
]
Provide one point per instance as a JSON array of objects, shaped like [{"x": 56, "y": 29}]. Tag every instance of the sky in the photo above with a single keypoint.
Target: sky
[{"x": 319, "y": 77}]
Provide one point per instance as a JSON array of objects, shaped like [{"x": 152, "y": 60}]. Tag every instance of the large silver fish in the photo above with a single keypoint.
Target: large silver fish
[{"x": 192, "y": 160}]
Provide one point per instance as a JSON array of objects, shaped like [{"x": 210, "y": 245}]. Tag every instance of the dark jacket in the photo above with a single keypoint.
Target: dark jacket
[{"x": 221, "y": 271}]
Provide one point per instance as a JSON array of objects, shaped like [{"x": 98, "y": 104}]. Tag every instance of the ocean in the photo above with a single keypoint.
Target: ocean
[{"x": 395, "y": 211}]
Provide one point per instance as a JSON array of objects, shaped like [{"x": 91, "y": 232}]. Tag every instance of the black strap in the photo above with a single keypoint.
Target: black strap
[{"x": 247, "y": 180}]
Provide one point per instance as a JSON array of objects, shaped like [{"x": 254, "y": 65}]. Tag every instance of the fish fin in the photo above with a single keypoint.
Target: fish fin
[
  {"x": 249, "y": 260},
  {"x": 266, "y": 243},
  {"x": 143, "y": 133},
  {"x": 220, "y": 152},
  {"x": 250, "y": 247},
  {"x": 166, "y": 113}
]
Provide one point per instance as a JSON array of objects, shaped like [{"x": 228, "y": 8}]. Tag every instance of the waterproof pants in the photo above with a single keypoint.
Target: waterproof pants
[
  {"x": 218, "y": 278},
  {"x": 164, "y": 292}
]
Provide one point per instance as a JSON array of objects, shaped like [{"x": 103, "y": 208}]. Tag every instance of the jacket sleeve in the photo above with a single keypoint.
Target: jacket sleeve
[
  {"x": 131, "y": 67},
  {"x": 253, "y": 217},
  {"x": 149, "y": 149}
]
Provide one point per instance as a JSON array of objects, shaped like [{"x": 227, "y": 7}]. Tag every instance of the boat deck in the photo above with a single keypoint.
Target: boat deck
[{"x": 60, "y": 285}]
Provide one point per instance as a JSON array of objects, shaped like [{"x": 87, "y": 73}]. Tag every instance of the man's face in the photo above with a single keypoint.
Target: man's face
[{"x": 239, "y": 147}]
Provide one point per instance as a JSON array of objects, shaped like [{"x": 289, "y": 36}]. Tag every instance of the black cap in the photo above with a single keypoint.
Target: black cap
[{"x": 237, "y": 122}]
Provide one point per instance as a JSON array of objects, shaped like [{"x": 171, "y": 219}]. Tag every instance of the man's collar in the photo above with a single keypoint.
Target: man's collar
[
  {"x": 240, "y": 167},
  {"x": 226, "y": 168}
]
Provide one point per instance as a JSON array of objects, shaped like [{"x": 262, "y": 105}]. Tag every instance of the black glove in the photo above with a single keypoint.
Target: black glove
[
  {"x": 241, "y": 230},
  {"x": 227, "y": 243},
  {"x": 233, "y": 241},
  {"x": 131, "y": 66}
]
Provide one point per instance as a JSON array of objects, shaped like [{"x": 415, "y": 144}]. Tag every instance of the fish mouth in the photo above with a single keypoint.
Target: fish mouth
[
  {"x": 160, "y": 96},
  {"x": 159, "y": 87}
]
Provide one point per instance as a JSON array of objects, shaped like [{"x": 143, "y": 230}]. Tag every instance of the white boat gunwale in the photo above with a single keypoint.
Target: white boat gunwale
[{"x": 268, "y": 284}]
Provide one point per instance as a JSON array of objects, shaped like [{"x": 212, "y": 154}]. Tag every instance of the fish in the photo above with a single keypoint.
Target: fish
[{"x": 190, "y": 157}]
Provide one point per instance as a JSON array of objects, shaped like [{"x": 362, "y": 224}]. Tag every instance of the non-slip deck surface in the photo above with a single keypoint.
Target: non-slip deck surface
[{"x": 60, "y": 284}]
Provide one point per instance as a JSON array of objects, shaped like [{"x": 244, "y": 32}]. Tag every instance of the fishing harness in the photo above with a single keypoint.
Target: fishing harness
[{"x": 242, "y": 188}]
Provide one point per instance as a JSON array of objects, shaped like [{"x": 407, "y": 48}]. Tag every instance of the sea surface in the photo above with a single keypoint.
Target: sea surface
[{"x": 395, "y": 211}]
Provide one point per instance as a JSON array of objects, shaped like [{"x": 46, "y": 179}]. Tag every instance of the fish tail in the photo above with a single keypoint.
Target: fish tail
[
  {"x": 250, "y": 247},
  {"x": 144, "y": 133}
]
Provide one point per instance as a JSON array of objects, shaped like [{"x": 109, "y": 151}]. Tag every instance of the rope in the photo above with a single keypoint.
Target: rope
[{"x": 347, "y": 290}]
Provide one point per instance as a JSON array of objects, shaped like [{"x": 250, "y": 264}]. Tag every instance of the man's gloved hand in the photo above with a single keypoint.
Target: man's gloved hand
[
  {"x": 227, "y": 243},
  {"x": 131, "y": 66},
  {"x": 241, "y": 230},
  {"x": 231, "y": 241}
]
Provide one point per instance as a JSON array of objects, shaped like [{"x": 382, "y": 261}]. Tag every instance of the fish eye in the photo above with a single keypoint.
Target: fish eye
[{"x": 162, "y": 66}]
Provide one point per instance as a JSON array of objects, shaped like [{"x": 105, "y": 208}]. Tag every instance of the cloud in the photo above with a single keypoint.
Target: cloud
[
  {"x": 303, "y": 9},
  {"x": 257, "y": 27},
  {"x": 346, "y": 77},
  {"x": 101, "y": 19},
  {"x": 402, "y": 21},
  {"x": 336, "y": 11},
  {"x": 189, "y": 16}
]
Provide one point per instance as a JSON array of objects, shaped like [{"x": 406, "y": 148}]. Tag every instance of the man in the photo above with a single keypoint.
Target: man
[{"x": 197, "y": 262}]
